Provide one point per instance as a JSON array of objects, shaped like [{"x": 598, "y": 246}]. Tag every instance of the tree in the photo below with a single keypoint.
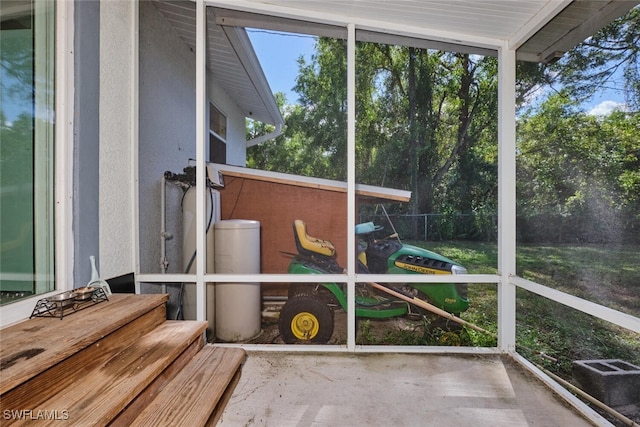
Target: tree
[
  {"x": 289, "y": 152},
  {"x": 595, "y": 62},
  {"x": 441, "y": 113},
  {"x": 578, "y": 174},
  {"x": 321, "y": 118},
  {"x": 425, "y": 121}
]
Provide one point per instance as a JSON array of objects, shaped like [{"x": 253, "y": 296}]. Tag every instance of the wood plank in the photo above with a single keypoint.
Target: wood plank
[
  {"x": 379, "y": 194},
  {"x": 222, "y": 403},
  {"x": 106, "y": 389},
  {"x": 38, "y": 389},
  {"x": 126, "y": 417},
  {"x": 193, "y": 395},
  {"x": 277, "y": 206},
  {"x": 34, "y": 345}
]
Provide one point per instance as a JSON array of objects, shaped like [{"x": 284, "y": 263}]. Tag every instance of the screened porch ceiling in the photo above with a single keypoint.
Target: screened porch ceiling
[{"x": 540, "y": 31}]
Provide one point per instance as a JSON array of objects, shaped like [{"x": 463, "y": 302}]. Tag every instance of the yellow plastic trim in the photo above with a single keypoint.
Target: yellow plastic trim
[{"x": 305, "y": 326}]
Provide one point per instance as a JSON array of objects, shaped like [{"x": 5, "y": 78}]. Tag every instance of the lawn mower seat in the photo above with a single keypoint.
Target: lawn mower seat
[{"x": 311, "y": 245}]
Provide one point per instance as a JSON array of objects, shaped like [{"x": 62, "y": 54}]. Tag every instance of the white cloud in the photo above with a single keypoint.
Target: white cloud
[{"x": 607, "y": 107}]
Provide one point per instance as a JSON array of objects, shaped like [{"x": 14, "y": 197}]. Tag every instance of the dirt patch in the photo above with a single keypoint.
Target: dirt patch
[{"x": 368, "y": 331}]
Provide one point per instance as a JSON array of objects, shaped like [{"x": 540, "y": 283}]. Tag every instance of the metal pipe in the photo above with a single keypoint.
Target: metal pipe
[
  {"x": 163, "y": 232},
  {"x": 274, "y": 298},
  {"x": 589, "y": 398},
  {"x": 163, "y": 267}
]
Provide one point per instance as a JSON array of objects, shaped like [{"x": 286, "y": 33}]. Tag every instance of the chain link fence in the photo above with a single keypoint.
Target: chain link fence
[
  {"x": 548, "y": 228},
  {"x": 437, "y": 227}
]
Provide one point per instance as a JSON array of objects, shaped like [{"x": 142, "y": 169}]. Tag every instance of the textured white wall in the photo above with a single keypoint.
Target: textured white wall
[
  {"x": 116, "y": 184},
  {"x": 167, "y": 132}
]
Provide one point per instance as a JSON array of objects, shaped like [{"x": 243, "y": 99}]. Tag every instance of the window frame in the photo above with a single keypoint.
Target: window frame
[
  {"x": 63, "y": 54},
  {"x": 217, "y": 137}
]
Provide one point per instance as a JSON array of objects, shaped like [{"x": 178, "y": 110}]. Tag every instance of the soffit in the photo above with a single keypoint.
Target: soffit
[
  {"x": 540, "y": 30},
  {"x": 536, "y": 28},
  {"x": 234, "y": 66},
  {"x": 574, "y": 24}
]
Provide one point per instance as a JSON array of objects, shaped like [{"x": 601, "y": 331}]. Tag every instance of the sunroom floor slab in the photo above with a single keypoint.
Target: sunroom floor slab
[{"x": 384, "y": 389}]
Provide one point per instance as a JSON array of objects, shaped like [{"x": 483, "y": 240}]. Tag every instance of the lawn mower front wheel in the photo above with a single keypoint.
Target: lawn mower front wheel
[{"x": 305, "y": 319}]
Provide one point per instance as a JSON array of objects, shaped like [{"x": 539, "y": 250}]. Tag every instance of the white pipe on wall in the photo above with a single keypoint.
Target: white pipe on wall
[{"x": 262, "y": 138}]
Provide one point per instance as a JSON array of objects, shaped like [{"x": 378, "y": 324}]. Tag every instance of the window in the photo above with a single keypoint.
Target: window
[
  {"x": 217, "y": 135},
  {"x": 26, "y": 153}
]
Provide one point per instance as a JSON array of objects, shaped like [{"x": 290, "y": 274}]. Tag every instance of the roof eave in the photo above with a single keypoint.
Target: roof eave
[
  {"x": 593, "y": 16},
  {"x": 246, "y": 54}
]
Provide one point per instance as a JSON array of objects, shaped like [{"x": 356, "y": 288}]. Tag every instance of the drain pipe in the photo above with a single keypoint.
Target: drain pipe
[{"x": 262, "y": 138}]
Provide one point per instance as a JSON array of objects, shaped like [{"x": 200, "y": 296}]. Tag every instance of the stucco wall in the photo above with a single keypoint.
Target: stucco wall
[
  {"x": 86, "y": 210},
  {"x": 167, "y": 106},
  {"x": 116, "y": 186},
  {"x": 166, "y": 132}
]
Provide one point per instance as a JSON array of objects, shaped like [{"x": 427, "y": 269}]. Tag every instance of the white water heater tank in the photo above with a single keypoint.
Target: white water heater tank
[
  {"x": 238, "y": 305},
  {"x": 189, "y": 250}
]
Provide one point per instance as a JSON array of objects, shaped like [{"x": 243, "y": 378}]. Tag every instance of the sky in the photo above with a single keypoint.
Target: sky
[
  {"x": 603, "y": 103},
  {"x": 279, "y": 52}
]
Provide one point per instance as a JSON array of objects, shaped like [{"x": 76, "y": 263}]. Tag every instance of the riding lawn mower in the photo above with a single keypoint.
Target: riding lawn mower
[{"x": 307, "y": 316}]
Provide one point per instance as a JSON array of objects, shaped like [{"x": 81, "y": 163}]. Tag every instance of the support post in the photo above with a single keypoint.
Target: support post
[
  {"x": 201, "y": 131},
  {"x": 351, "y": 184},
  {"x": 506, "y": 198}
]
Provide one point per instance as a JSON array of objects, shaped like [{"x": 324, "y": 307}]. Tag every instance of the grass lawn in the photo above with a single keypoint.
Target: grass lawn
[{"x": 603, "y": 274}]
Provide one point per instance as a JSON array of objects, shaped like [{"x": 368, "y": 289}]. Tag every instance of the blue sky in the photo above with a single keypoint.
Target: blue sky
[
  {"x": 604, "y": 102},
  {"x": 278, "y": 54}
]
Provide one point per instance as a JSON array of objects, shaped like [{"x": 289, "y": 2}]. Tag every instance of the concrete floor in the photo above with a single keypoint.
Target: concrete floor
[{"x": 290, "y": 389}]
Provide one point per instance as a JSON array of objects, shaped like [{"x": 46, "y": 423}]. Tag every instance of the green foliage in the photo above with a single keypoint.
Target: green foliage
[
  {"x": 321, "y": 118},
  {"x": 426, "y": 121},
  {"x": 545, "y": 330},
  {"x": 367, "y": 336},
  {"x": 608, "y": 275},
  {"x": 594, "y": 63},
  {"x": 422, "y": 333},
  {"x": 583, "y": 167}
]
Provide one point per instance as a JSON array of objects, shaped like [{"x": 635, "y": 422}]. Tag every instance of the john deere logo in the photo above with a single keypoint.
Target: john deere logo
[{"x": 419, "y": 269}]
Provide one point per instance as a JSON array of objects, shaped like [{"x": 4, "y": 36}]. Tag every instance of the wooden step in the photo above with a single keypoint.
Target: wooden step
[
  {"x": 103, "y": 388},
  {"x": 126, "y": 417},
  {"x": 35, "y": 345},
  {"x": 198, "y": 393},
  {"x": 36, "y": 390}
]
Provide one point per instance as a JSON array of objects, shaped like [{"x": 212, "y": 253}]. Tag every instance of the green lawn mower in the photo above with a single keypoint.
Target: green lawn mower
[{"x": 307, "y": 316}]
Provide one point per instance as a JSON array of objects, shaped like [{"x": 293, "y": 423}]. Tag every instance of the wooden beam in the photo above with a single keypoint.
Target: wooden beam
[{"x": 366, "y": 191}]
